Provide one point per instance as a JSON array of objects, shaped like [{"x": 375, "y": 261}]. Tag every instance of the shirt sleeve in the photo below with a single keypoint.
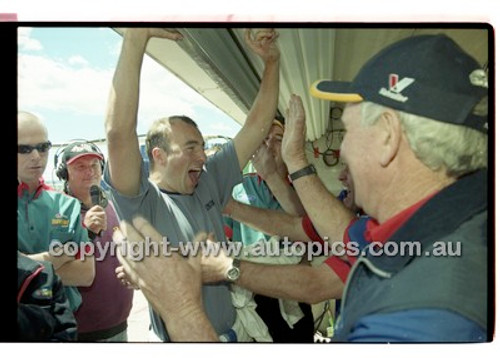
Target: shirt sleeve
[
  {"x": 224, "y": 166},
  {"x": 310, "y": 230},
  {"x": 339, "y": 266},
  {"x": 127, "y": 207}
]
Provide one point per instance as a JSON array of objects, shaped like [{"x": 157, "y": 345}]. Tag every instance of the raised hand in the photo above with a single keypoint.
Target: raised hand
[
  {"x": 263, "y": 43},
  {"x": 170, "y": 34},
  {"x": 263, "y": 161},
  {"x": 292, "y": 146}
]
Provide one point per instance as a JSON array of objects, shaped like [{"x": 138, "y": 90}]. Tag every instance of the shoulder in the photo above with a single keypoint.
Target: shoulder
[
  {"x": 418, "y": 325},
  {"x": 59, "y": 200},
  {"x": 225, "y": 156}
]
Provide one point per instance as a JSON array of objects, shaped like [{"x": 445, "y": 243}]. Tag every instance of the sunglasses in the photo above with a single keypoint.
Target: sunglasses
[{"x": 40, "y": 147}]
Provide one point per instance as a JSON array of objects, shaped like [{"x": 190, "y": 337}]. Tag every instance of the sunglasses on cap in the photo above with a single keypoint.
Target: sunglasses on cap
[{"x": 40, "y": 147}]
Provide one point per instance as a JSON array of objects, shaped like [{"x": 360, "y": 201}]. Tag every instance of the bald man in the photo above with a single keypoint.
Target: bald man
[{"x": 47, "y": 218}]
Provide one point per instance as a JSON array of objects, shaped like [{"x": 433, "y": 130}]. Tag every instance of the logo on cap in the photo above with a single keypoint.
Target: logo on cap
[
  {"x": 479, "y": 78},
  {"x": 84, "y": 147},
  {"x": 396, "y": 86}
]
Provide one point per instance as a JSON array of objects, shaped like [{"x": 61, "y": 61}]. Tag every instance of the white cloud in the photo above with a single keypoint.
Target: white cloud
[
  {"x": 55, "y": 85},
  {"x": 25, "y": 42},
  {"x": 78, "y": 60},
  {"x": 163, "y": 94}
]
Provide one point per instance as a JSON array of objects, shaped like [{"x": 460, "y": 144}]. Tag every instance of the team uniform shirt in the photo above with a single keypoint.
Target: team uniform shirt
[
  {"x": 48, "y": 216},
  {"x": 455, "y": 213},
  {"x": 106, "y": 304},
  {"x": 355, "y": 233},
  {"x": 255, "y": 192},
  {"x": 180, "y": 217}
]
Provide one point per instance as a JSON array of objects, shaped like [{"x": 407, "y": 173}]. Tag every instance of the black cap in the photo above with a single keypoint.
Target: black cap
[{"x": 427, "y": 75}]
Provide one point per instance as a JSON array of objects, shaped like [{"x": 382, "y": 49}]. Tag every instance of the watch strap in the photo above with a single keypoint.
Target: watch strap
[{"x": 310, "y": 169}]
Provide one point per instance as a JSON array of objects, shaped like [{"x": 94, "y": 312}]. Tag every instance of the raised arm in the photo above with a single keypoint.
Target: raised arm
[
  {"x": 277, "y": 181},
  {"x": 124, "y": 158},
  {"x": 329, "y": 216},
  {"x": 263, "y": 110}
]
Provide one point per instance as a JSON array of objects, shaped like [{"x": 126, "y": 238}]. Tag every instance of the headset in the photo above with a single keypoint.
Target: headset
[{"x": 61, "y": 167}]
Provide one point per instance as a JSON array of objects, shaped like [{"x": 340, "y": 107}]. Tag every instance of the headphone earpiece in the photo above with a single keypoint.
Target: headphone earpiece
[{"x": 61, "y": 167}]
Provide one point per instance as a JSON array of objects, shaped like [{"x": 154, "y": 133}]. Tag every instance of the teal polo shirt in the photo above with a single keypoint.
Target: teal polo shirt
[
  {"x": 255, "y": 192},
  {"x": 46, "y": 216}
]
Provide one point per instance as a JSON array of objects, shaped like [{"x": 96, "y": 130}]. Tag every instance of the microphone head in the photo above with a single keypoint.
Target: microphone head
[{"x": 95, "y": 195}]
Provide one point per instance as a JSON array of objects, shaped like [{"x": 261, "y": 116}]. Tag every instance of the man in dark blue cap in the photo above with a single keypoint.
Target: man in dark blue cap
[{"x": 416, "y": 144}]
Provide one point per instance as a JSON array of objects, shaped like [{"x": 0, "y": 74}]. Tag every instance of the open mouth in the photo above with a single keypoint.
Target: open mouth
[{"x": 194, "y": 175}]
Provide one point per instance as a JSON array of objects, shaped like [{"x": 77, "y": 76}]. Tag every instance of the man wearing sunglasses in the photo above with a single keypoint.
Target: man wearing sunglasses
[{"x": 48, "y": 219}]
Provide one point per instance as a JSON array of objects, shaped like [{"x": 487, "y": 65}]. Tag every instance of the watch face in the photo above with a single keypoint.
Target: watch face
[{"x": 233, "y": 273}]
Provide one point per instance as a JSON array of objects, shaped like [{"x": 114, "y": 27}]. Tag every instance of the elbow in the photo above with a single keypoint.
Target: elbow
[
  {"x": 321, "y": 290},
  {"x": 321, "y": 295},
  {"x": 113, "y": 133},
  {"x": 117, "y": 131},
  {"x": 313, "y": 297}
]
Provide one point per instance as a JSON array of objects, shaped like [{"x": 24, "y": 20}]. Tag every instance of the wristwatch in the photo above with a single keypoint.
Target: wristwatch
[
  {"x": 310, "y": 169},
  {"x": 233, "y": 272}
]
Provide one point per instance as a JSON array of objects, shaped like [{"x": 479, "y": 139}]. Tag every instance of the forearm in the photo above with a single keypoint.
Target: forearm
[
  {"x": 285, "y": 194},
  {"x": 79, "y": 272},
  {"x": 301, "y": 283},
  {"x": 328, "y": 214},
  {"x": 124, "y": 96},
  {"x": 270, "y": 222},
  {"x": 261, "y": 115},
  {"x": 189, "y": 324},
  {"x": 264, "y": 107},
  {"x": 56, "y": 261}
]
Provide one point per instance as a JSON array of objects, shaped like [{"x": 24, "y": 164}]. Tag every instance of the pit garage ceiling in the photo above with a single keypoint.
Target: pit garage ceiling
[{"x": 218, "y": 65}]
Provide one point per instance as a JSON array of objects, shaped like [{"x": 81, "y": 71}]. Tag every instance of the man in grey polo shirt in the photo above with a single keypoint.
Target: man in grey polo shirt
[{"x": 185, "y": 192}]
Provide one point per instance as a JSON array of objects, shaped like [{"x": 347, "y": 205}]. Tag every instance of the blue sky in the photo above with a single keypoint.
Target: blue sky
[{"x": 64, "y": 76}]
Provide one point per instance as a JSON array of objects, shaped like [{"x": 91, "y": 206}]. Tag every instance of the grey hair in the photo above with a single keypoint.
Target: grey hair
[{"x": 456, "y": 149}]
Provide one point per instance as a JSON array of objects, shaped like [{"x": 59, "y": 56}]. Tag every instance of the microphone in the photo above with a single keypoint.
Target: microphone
[{"x": 95, "y": 195}]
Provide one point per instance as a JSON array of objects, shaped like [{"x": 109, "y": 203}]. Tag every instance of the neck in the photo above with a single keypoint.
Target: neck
[
  {"x": 408, "y": 187},
  {"x": 32, "y": 185},
  {"x": 82, "y": 195},
  {"x": 157, "y": 178}
]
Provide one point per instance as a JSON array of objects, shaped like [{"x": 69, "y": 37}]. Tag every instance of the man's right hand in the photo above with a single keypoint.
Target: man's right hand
[
  {"x": 292, "y": 146},
  {"x": 95, "y": 219},
  {"x": 165, "y": 280},
  {"x": 263, "y": 162},
  {"x": 263, "y": 43},
  {"x": 154, "y": 32}
]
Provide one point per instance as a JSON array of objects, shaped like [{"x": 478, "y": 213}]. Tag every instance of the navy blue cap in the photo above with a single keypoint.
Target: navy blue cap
[{"x": 426, "y": 75}]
